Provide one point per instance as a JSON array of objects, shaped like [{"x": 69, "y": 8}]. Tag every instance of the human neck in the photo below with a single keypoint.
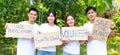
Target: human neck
[
  {"x": 51, "y": 24},
  {"x": 92, "y": 21},
  {"x": 71, "y": 26},
  {"x": 31, "y": 22}
]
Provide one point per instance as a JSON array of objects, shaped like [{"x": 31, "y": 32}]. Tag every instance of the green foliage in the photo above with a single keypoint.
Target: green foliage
[
  {"x": 14, "y": 11},
  {"x": 100, "y": 5},
  {"x": 11, "y": 12},
  {"x": 118, "y": 0},
  {"x": 116, "y": 19}
]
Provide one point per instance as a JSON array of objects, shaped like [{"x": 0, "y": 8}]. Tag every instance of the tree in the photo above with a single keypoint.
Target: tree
[{"x": 16, "y": 11}]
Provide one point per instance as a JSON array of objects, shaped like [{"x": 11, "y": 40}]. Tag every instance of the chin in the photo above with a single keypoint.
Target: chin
[
  {"x": 32, "y": 20},
  {"x": 71, "y": 25},
  {"x": 92, "y": 18}
]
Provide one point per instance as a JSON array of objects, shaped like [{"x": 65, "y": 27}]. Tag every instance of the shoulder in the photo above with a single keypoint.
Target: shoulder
[
  {"x": 36, "y": 25},
  {"x": 22, "y": 22},
  {"x": 57, "y": 27},
  {"x": 44, "y": 24},
  {"x": 86, "y": 24}
]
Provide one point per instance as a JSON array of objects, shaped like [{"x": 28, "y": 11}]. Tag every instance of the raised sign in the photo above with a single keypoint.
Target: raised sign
[
  {"x": 47, "y": 39},
  {"x": 19, "y": 31},
  {"x": 74, "y": 33}
]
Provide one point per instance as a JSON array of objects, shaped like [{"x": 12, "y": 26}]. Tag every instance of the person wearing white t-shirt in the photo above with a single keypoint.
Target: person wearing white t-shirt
[
  {"x": 70, "y": 47},
  {"x": 48, "y": 27},
  {"x": 25, "y": 46},
  {"x": 94, "y": 46}
]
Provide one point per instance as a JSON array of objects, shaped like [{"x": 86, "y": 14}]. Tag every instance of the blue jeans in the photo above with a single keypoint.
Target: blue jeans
[
  {"x": 40, "y": 52},
  {"x": 64, "y": 53}
]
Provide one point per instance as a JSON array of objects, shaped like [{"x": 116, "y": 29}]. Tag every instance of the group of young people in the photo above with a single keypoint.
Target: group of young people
[{"x": 70, "y": 47}]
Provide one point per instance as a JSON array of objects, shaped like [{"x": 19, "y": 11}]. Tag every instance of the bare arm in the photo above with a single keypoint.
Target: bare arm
[
  {"x": 64, "y": 42},
  {"x": 82, "y": 42},
  {"x": 112, "y": 33}
]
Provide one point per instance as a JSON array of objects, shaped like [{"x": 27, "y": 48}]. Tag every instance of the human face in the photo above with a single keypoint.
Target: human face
[
  {"x": 70, "y": 21},
  {"x": 51, "y": 18},
  {"x": 32, "y": 15},
  {"x": 91, "y": 14}
]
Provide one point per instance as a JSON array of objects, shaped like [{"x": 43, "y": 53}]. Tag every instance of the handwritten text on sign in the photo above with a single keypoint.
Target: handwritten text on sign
[
  {"x": 101, "y": 28},
  {"x": 74, "y": 33},
  {"x": 19, "y": 31},
  {"x": 47, "y": 39}
]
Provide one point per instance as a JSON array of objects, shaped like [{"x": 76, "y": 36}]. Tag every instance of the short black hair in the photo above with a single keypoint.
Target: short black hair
[
  {"x": 54, "y": 14},
  {"x": 89, "y": 8},
  {"x": 33, "y": 10}
]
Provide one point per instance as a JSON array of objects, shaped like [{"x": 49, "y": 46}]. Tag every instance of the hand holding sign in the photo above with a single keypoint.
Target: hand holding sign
[
  {"x": 64, "y": 41},
  {"x": 112, "y": 26}
]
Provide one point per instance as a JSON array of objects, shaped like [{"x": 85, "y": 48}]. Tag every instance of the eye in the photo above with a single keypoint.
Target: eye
[
  {"x": 33, "y": 14},
  {"x": 88, "y": 13},
  {"x": 68, "y": 19},
  {"x": 92, "y": 12}
]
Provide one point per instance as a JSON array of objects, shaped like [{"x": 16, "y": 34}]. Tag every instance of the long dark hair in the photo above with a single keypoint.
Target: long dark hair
[
  {"x": 65, "y": 19},
  {"x": 54, "y": 14}
]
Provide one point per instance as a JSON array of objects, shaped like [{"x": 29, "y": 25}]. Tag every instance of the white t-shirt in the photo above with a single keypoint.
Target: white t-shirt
[
  {"x": 25, "y": 46},
  {"x": 95, "y": 47},
  {"x": 73, "y": 47},
  {"x": 45, "y": 28}
]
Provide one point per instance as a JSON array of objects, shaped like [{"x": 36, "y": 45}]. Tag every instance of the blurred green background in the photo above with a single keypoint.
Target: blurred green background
[{"x": 14, "y": 11}]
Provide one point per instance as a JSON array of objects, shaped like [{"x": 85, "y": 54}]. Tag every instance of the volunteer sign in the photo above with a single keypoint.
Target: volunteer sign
[
  {"x": 74, "y": 33},
  {"x": 47, "y": 39},
  {"x": 101, "y": 28},
  {"x": 19, "y": 31}
]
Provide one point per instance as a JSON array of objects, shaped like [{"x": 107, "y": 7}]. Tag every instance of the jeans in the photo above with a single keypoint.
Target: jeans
[
  {"x": 40, "y": 52},
  {"x": 64, "y": 53}
]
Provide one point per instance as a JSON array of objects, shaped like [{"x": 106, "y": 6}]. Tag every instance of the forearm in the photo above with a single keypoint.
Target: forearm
[{"x": 112, "y": 33}]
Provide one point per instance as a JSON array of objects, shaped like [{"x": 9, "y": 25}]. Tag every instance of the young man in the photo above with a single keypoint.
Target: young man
[
  {"x": 25, "y": 46},
  {"x": 94, "y": 46}
]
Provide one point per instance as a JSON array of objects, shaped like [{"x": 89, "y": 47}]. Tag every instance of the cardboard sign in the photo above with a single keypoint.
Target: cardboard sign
[
  {"x": 47, "y": 39},
  {"x": 74, "y": 33},
  {"x": 101, "y": 28},
  {"x": 19, "y": 31}
]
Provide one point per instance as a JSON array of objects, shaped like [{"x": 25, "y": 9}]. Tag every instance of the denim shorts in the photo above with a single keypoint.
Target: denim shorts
[{"x": 40, "y": 52}]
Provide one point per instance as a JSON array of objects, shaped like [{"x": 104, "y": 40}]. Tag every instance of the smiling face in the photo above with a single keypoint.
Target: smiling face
[
  {"x": 91, "y": 14},
  {"x": 51, "y": 18},
  {"x": 32, "y": 15},
  {"x": 70, "y": 21}
]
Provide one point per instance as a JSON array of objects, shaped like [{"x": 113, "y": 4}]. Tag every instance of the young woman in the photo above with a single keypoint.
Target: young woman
[
  {"x": 71, "y": 47},
  {"x": 95, "y": 47},
  {"x": 50, "y": 26}
]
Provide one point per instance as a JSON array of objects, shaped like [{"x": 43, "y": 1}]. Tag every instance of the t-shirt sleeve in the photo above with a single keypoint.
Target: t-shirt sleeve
[
  {"x": 40, "y": 28},
  {"x": 22, "y": 22},
  {"x": 36, "y": 29},
  {"x": 85, "y": 26}
]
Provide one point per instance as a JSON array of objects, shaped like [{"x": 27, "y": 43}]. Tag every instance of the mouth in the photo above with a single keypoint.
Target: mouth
[
  {"x": 51, "y": 20},
  {"x": 71, "y": 23},
  {"x": 32, "y": 18}
]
